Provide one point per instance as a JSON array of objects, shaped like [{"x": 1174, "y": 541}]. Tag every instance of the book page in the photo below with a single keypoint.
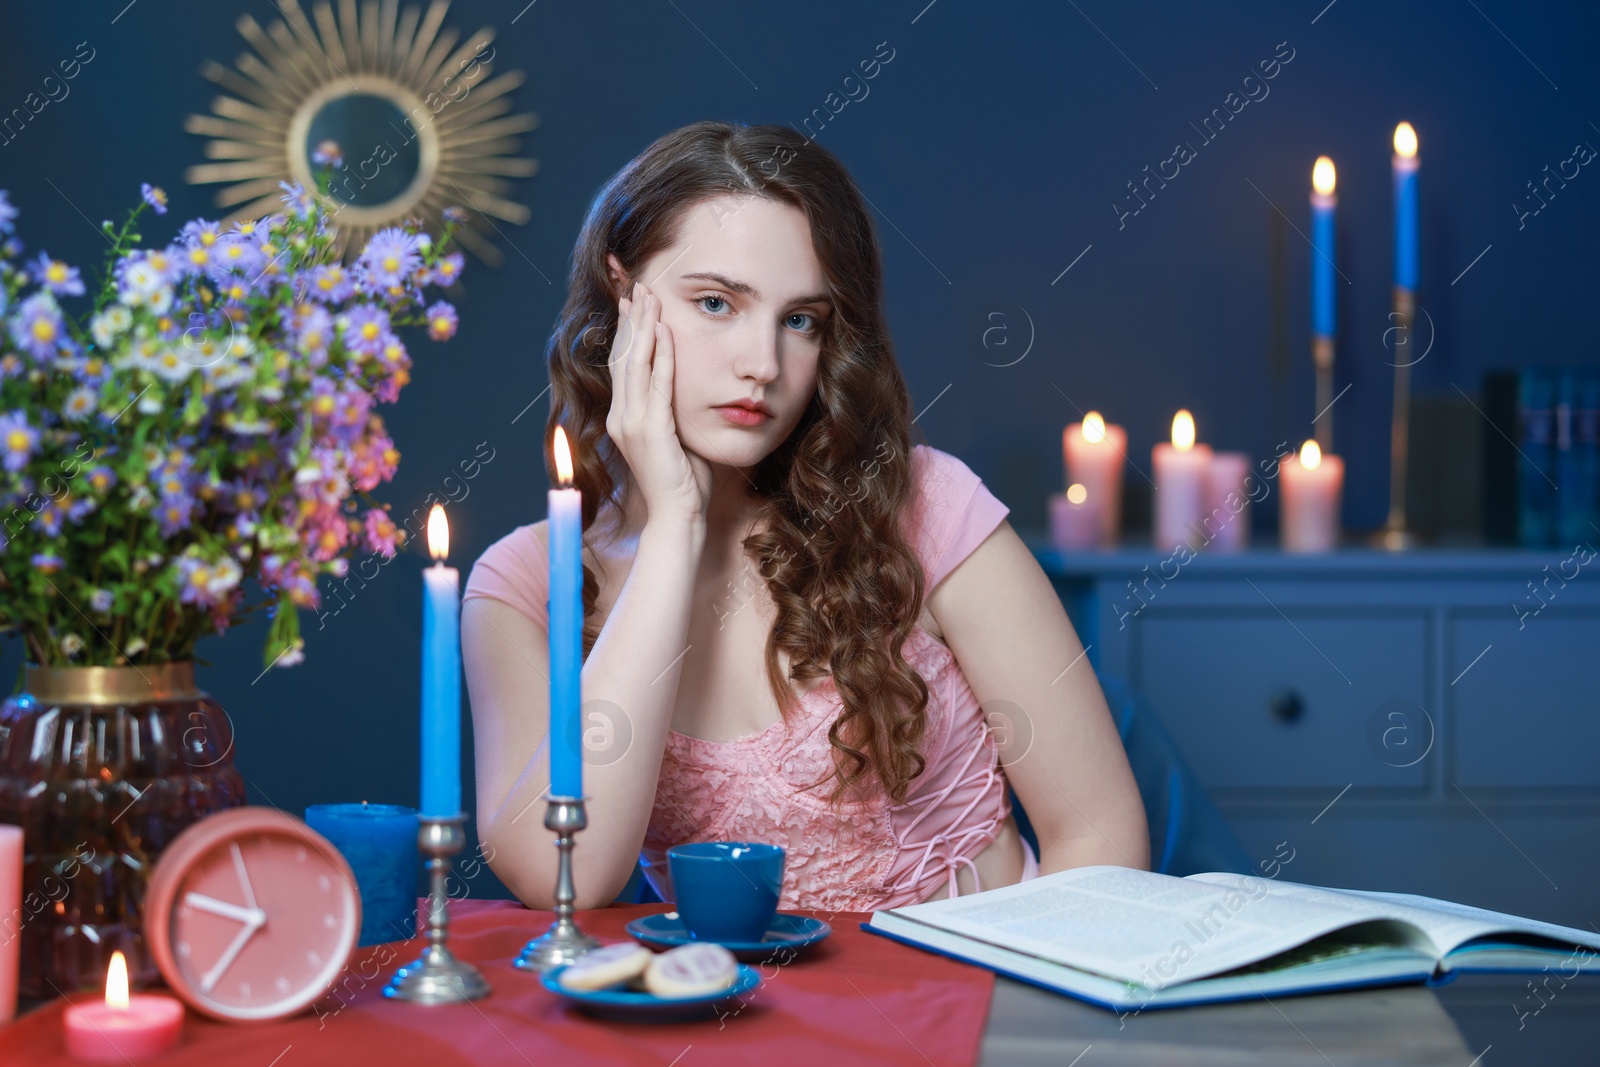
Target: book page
[{"x": 1143, "y": 927}]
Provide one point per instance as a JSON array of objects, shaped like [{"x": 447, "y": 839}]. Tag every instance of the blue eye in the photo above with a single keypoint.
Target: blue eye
[
  {"x": 700, "y": 300},
  {"x": 803, "y": 315}
]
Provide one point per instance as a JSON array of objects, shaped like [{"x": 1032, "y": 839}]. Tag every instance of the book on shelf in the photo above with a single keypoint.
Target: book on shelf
[{"x": 1131, "y": 940}]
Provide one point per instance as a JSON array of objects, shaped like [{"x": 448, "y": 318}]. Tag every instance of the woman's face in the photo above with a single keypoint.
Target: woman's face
[{"x": 744, "y": 297}]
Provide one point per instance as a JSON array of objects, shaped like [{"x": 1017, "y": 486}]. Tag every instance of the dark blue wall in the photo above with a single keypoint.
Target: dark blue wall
[{"x": 993, "y": 146}]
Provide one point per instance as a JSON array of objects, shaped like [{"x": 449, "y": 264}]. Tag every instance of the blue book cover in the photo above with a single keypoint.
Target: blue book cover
[
  {"x": 1536, "y": 487},
  {"x": 1578, "y": 502}
]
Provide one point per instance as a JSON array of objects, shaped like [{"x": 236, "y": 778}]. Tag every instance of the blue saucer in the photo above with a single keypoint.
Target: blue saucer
[
  {"x": 630, "y": 1005},
  {"x": 786, "y": 931}
]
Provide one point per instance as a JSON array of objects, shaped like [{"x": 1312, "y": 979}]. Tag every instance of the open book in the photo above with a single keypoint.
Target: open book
[{"x": 1128, "y": 939}]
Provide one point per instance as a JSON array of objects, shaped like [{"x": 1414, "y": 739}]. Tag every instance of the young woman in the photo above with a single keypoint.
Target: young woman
[{"x": 793, "y": 613}]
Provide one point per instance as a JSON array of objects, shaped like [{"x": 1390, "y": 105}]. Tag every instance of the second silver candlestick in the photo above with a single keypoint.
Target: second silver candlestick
[{"x": 564, "y": 942}]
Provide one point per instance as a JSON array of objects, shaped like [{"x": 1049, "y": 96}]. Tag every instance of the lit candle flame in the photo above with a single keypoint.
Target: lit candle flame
[
  {"x": 1076, "y": 493},
  {"x": 438, "y": 533},
  {"x": 117, "y": 983},
  {"x": 1094, "y": 427},
  {"x": 563, "y": 454},
  {"x": 1310, "y": 455},
  {"x": 1323, "y": 175},
  {"x": 1183, "y": 430},
  {"x": 1405, "y": 141}
]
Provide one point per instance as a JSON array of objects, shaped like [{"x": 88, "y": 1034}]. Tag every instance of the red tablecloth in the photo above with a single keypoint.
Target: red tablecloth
[{"x": 854, "y": 998}]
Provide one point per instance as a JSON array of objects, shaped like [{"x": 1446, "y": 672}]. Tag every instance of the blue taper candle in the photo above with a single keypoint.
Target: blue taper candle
[
  {"x": 441, "y": 676},
  {"x": 1406, "y": 252},
  {"x": 1323, "y": 206},
  {"x": 566, "y": 627}
]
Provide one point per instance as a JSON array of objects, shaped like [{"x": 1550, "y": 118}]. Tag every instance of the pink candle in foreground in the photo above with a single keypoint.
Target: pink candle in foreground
[
  {"x": 1181, "y": 470},
  {"x": 125, "y": 1027},
  {"x": 1094, "y": 452},
  {"x": 11, "y": 915},
  {"x": 1312, "y": 483},
  {"x": 1227, "y": 509},
  {"x": 1073, "y": 522}
]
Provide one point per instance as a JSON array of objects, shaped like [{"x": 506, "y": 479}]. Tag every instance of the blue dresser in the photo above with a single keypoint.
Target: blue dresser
[{"x": 1424, "y": 722}]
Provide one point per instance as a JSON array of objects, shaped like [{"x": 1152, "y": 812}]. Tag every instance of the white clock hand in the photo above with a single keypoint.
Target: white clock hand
[
  {"x": 224, "y": 909},
  {"x": 210, "y": 978},
  {"x": 244, "y": 880}
]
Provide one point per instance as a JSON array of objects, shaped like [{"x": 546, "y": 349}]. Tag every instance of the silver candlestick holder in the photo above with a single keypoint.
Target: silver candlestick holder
[
  {"x": 437, "y": 976},
  {"x": 563, "y": 942}
]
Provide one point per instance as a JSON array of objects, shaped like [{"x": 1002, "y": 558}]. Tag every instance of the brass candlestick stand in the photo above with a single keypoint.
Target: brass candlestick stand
[
  {"x": 437, "y": 976},
  {"x": 563, "y": 942},
  {"x": 1394, "y": 535},
  {"x": 1322, "y": 355}
]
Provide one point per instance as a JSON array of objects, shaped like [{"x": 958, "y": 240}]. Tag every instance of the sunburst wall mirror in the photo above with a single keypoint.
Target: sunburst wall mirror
[{"x": 419, "y": 122}]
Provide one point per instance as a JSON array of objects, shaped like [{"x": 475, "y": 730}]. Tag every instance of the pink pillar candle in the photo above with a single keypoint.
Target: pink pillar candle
[
  {"x": 1181, "y": 471},
  {"x": 123, "y": 1028},
  {"x": 1074, "y": 523},
  {"x": 1312, "y": 484},
  {"x": 1226, "y": 521},
  {"x": 1094, "y": 452},
  {"x": 10, "y": 918}
]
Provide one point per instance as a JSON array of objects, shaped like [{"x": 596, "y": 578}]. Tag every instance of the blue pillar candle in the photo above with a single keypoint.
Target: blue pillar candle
[
  {"x": 566, "y": 626},
  {"x": 1323, "y": 205},
  {"x": 441, "y": 677},
  {"x": 1406, "y": 253},
  {"x": 379, "y": 841}
]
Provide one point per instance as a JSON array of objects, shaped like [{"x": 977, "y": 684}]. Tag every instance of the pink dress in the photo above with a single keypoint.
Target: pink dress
[{"x": 875, "y": 854}]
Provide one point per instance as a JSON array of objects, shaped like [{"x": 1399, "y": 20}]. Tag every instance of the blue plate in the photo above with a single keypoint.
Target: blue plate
[
  {"x": 787, "y": 931},
  {"x": 630, "y": 1005}
]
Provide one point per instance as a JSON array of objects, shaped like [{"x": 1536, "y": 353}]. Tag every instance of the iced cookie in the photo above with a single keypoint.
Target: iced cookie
[
  {"x": 607, "y": 965},
  {"x": 691, "y": 970}
]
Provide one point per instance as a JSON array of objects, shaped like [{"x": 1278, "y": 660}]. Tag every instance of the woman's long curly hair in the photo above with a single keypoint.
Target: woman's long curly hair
[{"x": 847, "y": 585}]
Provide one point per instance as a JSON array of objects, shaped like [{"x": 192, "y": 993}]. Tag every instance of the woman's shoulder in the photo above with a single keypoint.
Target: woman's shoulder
[
  {"x": 514, "y": 569},
  {"x": 951, "y": 513}
]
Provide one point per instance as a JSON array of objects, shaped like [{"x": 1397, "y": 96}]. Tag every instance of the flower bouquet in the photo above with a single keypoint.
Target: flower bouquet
[{"x": 210, "y": 419}]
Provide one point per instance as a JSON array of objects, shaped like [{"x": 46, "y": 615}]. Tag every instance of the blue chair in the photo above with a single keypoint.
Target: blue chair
[{"x": 1188, "y": 834}]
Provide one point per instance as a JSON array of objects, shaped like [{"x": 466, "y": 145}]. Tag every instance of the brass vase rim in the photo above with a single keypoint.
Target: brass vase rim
[{"x": 111, "y": 685}]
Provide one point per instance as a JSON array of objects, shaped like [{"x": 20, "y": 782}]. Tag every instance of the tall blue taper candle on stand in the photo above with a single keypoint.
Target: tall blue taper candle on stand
[
  {"x": 1323, "y": 205},
  {"x": 1407, "y": 272},
  {"x": 566, "y": 627},
  {"x": 441, "y": 676},
  {"x": 564, "y": 812}
]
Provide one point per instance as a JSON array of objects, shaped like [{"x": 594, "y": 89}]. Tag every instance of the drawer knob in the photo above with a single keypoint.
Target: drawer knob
[{"x": 1286, "y": 705}]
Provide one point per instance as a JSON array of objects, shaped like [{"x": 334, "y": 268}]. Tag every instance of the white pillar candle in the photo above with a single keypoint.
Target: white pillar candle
[
  {"x": 1226, "y": 521},
  {"x": 1180, "y": 470},
  {"x": 1312, "y": 484},
  {"x": 1094, "y": 452},
  {"x": 1074, "y": 522}
]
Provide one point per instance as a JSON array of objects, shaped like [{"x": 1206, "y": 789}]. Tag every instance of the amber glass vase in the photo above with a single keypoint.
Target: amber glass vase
[{"x": 102, "y": 767}]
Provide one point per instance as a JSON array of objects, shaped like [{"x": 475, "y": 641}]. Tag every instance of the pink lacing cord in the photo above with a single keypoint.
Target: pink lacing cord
[{"x": 952, "y": 861}]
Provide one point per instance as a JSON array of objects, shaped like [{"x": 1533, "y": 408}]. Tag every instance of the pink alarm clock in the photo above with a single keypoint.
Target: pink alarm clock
[{"x": 251, "y": 915}]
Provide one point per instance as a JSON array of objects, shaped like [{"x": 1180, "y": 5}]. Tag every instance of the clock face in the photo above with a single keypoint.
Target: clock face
[{"x": 252, "y": 914}]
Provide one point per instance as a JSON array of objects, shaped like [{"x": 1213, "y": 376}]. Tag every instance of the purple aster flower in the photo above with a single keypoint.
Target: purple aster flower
[
  {"x": 442, "y": 321},
  {"x": 11, "y": 365},
  {"x": 56, "y": 276},
  {"x": 143, "y": 282},
  {"x": 8, "y": 213},
  {"x": 100, "y": 601},
  {"x": 200, "y": 232},
  {"x": 390, "y": 257},
  {"x": 327, "y": 154},
  {"x": 155, "y": 196},
  {"x": 101, "y": 479},
  {"x": 49, "y": 517},
  {"x": 454, "y": 214},
  {"x": 332, "y": 284},
  {"x": 299, "y": 201},
  {"x": 366, "y": 329},
  {"x": 448, "y": 270},
  {"x": 79, "y": 509},
  {"x": 47, "y": 562},
  {"x": 11, "y": 249},
  {"x": 175, "y": 512},
  {"x": 37, "y": 327},
  {"x": 312, "y": 329}
]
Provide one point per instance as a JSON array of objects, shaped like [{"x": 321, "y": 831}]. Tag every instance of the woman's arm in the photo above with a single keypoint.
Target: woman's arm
[
  {"x": 1014, "y": 642},
  {"x": 635, "y": 664}
]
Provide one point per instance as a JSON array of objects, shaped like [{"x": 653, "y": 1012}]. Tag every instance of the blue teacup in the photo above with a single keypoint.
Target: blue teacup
[{"x": 726, "y": 890}]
